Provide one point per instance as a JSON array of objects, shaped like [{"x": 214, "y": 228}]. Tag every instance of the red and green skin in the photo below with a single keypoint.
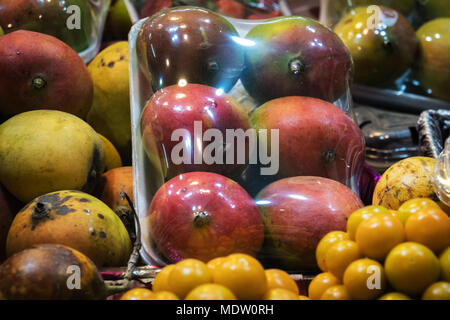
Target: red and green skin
[
  {"x": 297, "y": 213},
  {"x": 50, "y": 17},
  {"x": 204, "y": 215},
  {"x": 38, "y": 71},
  {"x": 177, "y": 107},
  {"x": 316, "y": 138},
  {"x": 295, "y": 56},
  {"x": 433, "y": 64}
]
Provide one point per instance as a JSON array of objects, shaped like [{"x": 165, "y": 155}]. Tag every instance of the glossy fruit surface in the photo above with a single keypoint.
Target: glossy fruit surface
[
  {"x": 186, "y": 275},
  {"x": 340, "y": 255},
  {"x": 277, "y": 278},
  {"x": 444, "y": 261},
  {"x": 338, "y": 292},
  {"x": 280, "y": 294},
  {"x": 138, "y": 294},
  {"x": 394, "y": 296},
  {"x": 365, "y": 279},
  {"x": 161, "y": 282},
  {"x": 321, "y": 283},
  {"x": 412, "y": 206},
  {"x": 325, "y": 243},
  {"x": 361, "y": 215},
  {"x": 437, "y": 291},
  {"x": 211, "y": 291}
]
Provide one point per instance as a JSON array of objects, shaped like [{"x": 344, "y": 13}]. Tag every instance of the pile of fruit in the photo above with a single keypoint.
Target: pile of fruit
[
  {"x": 387, "y": 254},
  {"x": 237, "y": 276}
]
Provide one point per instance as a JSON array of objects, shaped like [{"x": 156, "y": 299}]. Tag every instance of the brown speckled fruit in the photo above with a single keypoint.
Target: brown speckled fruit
[
  {"x": 47, "y": 272},
  {"x": 74, "y": 219}
]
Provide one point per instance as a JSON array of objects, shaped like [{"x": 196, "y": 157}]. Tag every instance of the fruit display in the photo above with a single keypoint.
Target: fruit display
[
  {"x": 212, "y": 150},
  {"x": 380, "y": 253},
  {"x": 400, "y": 46}
]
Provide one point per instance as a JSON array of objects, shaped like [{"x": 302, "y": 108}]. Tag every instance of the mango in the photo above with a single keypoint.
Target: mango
[
  {"x": 46, "y": 150},
  {"x": 407, "y": 179},
  {"x": 110, "y": 112},
  {"x": 74, "y": 219},
  {"x": 112, "y": 156},
  {"x": 44, "y": 273},
  {"x": 51, "y": 17},
  {"x": 38, "y": 71}
]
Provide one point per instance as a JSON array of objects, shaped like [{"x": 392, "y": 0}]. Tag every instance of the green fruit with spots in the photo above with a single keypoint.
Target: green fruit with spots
[
  {"x": 433, "y": 63},
  {"x": 43, "y": 151},
  {"x": 381, "y": 52},
  {"x": 287, "y": 57},
  {"x": 74, "y": 219},
  {"x": 57, "y": 18},
  {"x": 48, "y": 272},
  {"x": 38, "y": 71}
]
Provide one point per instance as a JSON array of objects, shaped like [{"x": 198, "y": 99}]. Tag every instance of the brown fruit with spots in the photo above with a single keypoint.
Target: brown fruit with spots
[
  {"x": 74, "y": 219},
  {"x": 38, "y": 71},
  {"x": 9, "y": 206},
  {"x": 43, "y": 273}
]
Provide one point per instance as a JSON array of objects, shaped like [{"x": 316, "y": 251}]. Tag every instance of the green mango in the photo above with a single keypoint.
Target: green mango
[{"x": 54, "y": 17}]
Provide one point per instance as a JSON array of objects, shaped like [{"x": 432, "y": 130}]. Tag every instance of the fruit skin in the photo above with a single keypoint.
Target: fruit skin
[
  {"x": 110, "y": 112},
  {"x": 340, "y": 7},
  {"x": 412, "y": 206},
  {"x": 361, "y": 215},
  {"x": 118, "y": 22},
  {"x": 38, "y": 71},
  {"x": 42, "y": 273},
  {"x": 444, "y": 261},
  {"x": 321, "y": 283},
  {"x": 203, "y": 38},
  {"x": 161, "y": 280},
  {"x": 138, "y": 294},
  {"x": 279, "y": 279},
  {"x": 340, "y": 255},
  {"x": 394, "y": 296},
  {"x": 357, "y": 276},
  {"x": 407, "y": 179},
  {"x": 187, "y": 275},
  {"x": 186, "y": 222},
  {"x": 410, "y": 260},
  {"x": 433, "y": 63},
  {"x": 74, "y": 219},
  {"x": 165, "y": 295},
  {"x": 112, "y": 156},
  {"x": 325, "y": 244},
  {"x": 437, "y": 291},
  {"x": 280, "y": 294},
  {"x": 50, "y": 17},
  {"x": 316, "y": 138},
  {"x": 288, "y": 59},
  {"x": 338, "y": 292},
  {"x": 243, "y": 275},
  {"x": 430, "y": 227},
  {"x": 178, "y": 107},
  {"x": 380, "y": 55},
  {"x": 378, "y": 235},
  {"x": 9, "y": 206},
  {"x": 297, "y": 213},
  {"x": 46, "y": 150},
  {"x": 212, "y": 264},
  {"x": 210, "y": 291}
]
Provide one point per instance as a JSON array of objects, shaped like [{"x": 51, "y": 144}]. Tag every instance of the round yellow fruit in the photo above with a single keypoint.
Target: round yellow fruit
[
  {"x": 165, "y": 295},
  {"x": 365, "y": 279},
  {"x": 187, "y": 275},
  {"x": 340, "y": 255},
  {"x": 361, "y": 215},
  {"x": 110, "y": 111},
  {"x": 138, "y": 294},
  {"x": 444, "y": 261},
  {"x": 320, "y": 283},
  {"x": 325, "y": 243},
  {"x": 280, "y": 294},
  {"x": 338, "y": 292},
  {"x": 394, "y": 296},
  {"x": 43, "y": 151},
  {"x": 211, "y": 291},
  {"x": 407, "y": 179},
  {"x": 280, "y": 279},
  {"x": 437, "y": 291},
  {"x": 112, "y": 156},
  {"x": 161, "y": 282},
  {"x": 412, "y": 206},
  {"x": 74, "y": 219}
]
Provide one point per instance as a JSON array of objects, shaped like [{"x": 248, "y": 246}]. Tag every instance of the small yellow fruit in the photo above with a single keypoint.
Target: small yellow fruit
[
  {"x": 320, "y": 283},
  {"x": 361, "y": 215},
  {"x": 211, "y": 291},
  {"x": 138, "y": 294},
  {"x": 280, "y": 294},
  {"x": 444, "y": 261},
  {"x": 187, "y": 275},
  {"x": 280, "y": 279},
  {"x": 325, "y": 243},
  {"x": 165, "y": 295},
  {"x": 394, "y": 296},
  {"x": 437, "y": 291},
  {"x": 338, "y": 292},
  {"x": 340, "y": 255},
  {"x": 365, "y": 279},
  {"x": 161, "y": 283}
]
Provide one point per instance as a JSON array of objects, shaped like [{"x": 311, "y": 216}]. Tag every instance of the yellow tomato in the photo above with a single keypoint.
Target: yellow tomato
[
  {"x": 338, "y": 292},
  {"x": 277, "y": 278},
  {"x": 412, "y": 206},
  {"x": 430, "y": 227},
  {"x": 214, "y": 262},
  {"x": 186, "y": 275},
  {"x": 444, "y": 261},
  {"x": 300, "y": 297},
  {"x": 138, "y": 294},
  {"x": 365, "y": 279},
  {"x": 340, "y": 255},
  {"x": 280, "y": 294},
  {"x": 160, "y": 282},
  {"x": 378, "y": 235},
  {"x": 165, "y": 295},
  {"x": 320, "y": 283},
  {"x": 411, "y": 267},
  {"x": 394, "y": 296},
  {"x": 243, "y": 275},
  {"x": 363, "y": 214},
  {"x": 325, "y": 243},
  {"x": 437, "y": 291},
  {"x": 211, "y": 291}
]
